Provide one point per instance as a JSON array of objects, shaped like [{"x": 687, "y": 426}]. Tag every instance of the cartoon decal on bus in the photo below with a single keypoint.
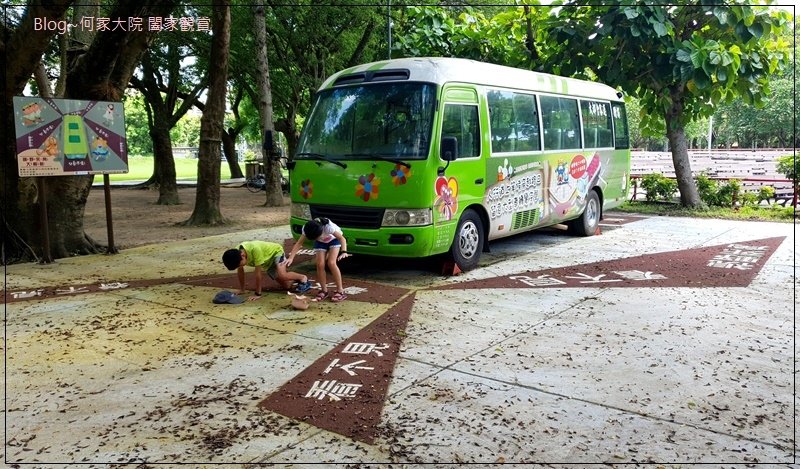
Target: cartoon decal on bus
[{"x": 474, "y": 152}]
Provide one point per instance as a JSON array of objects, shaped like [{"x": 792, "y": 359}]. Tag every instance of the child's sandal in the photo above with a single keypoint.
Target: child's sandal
[
  {"x": 338, "y": 296},
  {"x": 321, "y": 296}
]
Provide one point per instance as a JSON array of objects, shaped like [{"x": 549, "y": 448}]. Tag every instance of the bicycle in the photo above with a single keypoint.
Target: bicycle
[
  {"x": 256, "y": 183},
  {"x": 259, "y": 183}
]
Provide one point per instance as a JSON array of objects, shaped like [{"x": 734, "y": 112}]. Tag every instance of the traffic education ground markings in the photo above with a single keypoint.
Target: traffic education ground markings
[{"x": 353, "y": 388}]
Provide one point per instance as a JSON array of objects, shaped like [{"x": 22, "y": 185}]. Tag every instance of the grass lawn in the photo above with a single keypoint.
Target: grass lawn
[{"x": 141, "y": 168}]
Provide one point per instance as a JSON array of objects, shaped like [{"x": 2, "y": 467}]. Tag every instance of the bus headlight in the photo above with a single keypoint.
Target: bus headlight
[
  {"x": 405, "y": 217},
  {"x": 301, "y": 211}
]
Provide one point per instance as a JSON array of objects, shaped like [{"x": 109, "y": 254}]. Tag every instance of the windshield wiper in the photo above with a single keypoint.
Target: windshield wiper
[
  {"x": 382, "y": 157},
  {"x": 317, "y": 156}
]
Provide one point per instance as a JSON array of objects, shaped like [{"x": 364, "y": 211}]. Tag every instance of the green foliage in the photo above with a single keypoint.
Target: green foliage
[
  {"x": 766, "y": 193},
  {"x": 728, "y": 193},
  {"x": 714, "y": 194},
  {"x": 707, "y": 188},
  {"x": 748, "y": 199},
  {"x": 249, "y": 156},
  {"x": 789, "y": 166},
  {"x": 752, "y": 126},
  {"x": 700, "y": 55},
  {"x": 136, "y": 130},
  {"x": 774, "y": 213},
  {"x": 186, "y": 132},
  {"x": 657, "y": 186},
  {"x": 501, "y": 37}
]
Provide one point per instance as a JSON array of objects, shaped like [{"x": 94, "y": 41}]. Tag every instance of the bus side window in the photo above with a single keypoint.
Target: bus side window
[
  {"x": 620, "y": 125},
  {"x": 461, "y": 121},
  {"x": 501, "y": 119},
  {"x": 527, "y": 122},
  {"x": 560, "y": 122},
  {"x": 596, "y": 119}
]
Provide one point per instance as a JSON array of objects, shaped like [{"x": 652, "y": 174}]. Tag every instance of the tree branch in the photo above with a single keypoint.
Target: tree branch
[
  {"x": 19, "y": 66},
  {"x": 355, "y": 57}
]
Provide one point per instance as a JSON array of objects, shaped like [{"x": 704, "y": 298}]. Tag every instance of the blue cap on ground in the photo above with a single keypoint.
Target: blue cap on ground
[{"x": 226, "y": 296}]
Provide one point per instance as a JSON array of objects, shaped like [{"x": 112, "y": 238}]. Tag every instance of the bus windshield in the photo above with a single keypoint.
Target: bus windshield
[{"x": 386, "y": 121}]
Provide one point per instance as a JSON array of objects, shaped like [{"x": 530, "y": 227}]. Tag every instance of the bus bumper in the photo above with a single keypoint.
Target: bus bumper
[{"x": 409, "y": 241}]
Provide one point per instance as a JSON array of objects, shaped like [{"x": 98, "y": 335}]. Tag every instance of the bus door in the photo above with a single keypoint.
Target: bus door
[{"x": 463, "y": 182}]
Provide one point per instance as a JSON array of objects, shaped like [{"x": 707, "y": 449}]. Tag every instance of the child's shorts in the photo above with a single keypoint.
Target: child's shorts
[
  {"x": 320, "y": 246},
  {"x": 273, "y": 269}
]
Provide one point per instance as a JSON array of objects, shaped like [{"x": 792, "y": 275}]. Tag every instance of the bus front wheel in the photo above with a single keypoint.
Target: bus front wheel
[
  {"x": 587, "y": 224},
  {"x": 468, "y": 242}
]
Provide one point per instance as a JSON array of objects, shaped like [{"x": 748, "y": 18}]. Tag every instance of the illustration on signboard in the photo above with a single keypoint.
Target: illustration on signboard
[{"x": 57, "y": 137}]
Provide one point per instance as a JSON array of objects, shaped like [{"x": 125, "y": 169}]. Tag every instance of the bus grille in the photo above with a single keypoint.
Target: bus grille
[
  {"x": 524, "y": 219},
  {"x": 350, "y": 217}
]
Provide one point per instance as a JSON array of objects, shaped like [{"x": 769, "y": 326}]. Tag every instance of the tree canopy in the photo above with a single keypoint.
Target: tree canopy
[{"x": 677, "y": 64}]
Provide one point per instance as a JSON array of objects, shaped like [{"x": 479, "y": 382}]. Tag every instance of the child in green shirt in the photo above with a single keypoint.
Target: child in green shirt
[{"x": 263, "y": 256}]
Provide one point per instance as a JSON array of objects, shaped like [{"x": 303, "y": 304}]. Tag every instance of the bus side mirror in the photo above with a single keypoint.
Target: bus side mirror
[{"x": 448, "y": 149}]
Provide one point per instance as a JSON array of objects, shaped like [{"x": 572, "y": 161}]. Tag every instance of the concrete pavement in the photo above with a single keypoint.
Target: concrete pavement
[{"x": 124, "y": 359}]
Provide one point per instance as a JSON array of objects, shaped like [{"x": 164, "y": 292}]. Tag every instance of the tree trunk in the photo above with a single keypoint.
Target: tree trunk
[
  {"x": 42, "y": 81},
  {"x": 21, "y": 50},
  {"x": 289, "y": 130},
  {"x": 229, "y": 149},
  {"x": 164, "y": 172},
  {"x": 676, "y": 136},
  {"x": 206, "y": 208},
  {"x": 92, "y": 75},
  {"x": 272, "y": 167},
  {"x": 100, "y": 71}
]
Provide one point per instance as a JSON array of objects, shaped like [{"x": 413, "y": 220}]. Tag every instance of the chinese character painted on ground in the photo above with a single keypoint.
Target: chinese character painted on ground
[
  {"x": 735, "y": 258},
  {"x": 540, "y": 281},
  {"x": 354, "y": 290},
  {"x": 359, "y": 348},
  {"x": 730, "y": 265},
  {"x": 333, "y": 390},
  {"x": 584, "y": 278},
  {"x": 639, "y": 275},
  {"x": 72, "y": 290},
  {"x": 113, "y": 286},
  {"x": 348, "y": 368},
  {"x": 745, "y": 247},
  {"x": 26, "y": 294}
]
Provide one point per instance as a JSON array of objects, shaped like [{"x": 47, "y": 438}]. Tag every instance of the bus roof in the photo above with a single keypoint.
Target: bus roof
[{"x": 441, "y": 70}]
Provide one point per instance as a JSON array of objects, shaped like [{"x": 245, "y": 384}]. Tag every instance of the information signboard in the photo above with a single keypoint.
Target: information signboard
[{"x": 57, "y": 137}]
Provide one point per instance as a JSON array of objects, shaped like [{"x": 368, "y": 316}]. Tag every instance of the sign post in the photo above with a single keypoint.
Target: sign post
[
  {"x": 112, "y": 249},
  {"x": 59, "y": 137},
  {"x": 47, "y": 255}
]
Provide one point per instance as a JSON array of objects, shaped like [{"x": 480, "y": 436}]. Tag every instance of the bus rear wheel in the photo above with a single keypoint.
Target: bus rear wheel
[
  {"x": 468, "y": 241},
  {"x": 587, "y": 224}
]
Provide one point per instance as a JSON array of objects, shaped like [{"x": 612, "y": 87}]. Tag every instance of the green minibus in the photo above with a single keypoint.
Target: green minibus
[{"x": 417, "y": 157}]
